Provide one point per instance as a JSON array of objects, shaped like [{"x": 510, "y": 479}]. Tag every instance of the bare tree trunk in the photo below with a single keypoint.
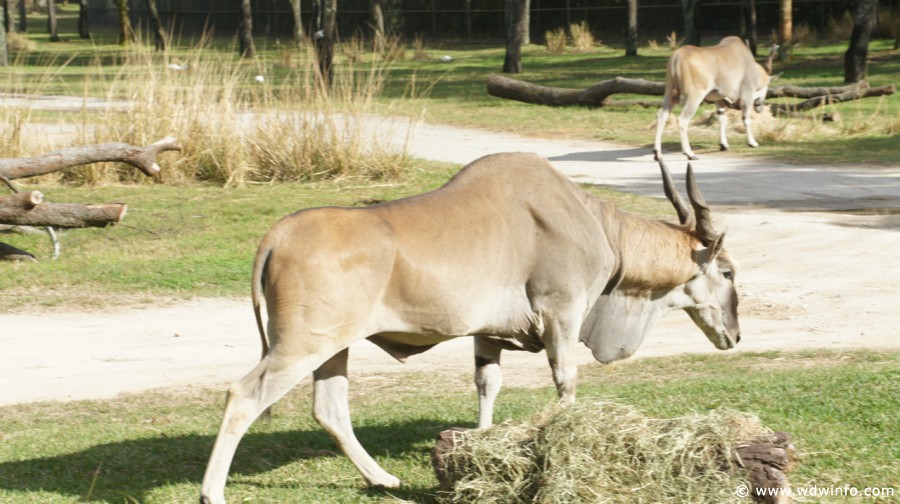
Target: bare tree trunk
[
  {"x": 51, "y": 21},
  {"x": 691, "y": 11},
  {"x": 4, "y": 53},
  {"x": 855, "y": 64},
  {"x": 245, "y": 30},
  {"x": 526, "y": 24},
  {"x": 297, "y": 34},
  {"x": 159, "y": 33},
  {"x": 126, "y": 32},
  {"x": 23, "y": 19},
  {"x": 631, "y": 28},
  {"x": 786, "y": 22},
  {"x": 30, "y": 210},
  {"x": 326, "y": 26},
  {"x": 377, "y": 24},
  {"x": 84, "y": 26},
  {"x": 515, "y": 27},
  {"x": 8, "y": 23},
  {"x": 748, "y": 23}
]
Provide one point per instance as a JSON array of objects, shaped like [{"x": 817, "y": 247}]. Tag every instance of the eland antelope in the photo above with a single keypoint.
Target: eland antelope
[
  {"x": 508, "y": 251},
  {"x": 725, "y": 74}
]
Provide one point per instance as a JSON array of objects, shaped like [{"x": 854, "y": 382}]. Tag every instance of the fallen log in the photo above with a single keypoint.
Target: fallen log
[
  {"x": 599, "y": 94},
  {"x": 18, "y": 211},
  {"x": 849, "y": 95},
  {"x": 594, "y": 96},
  {"x": 29, "y": 208},
  {"x": 142, "y": 158}
]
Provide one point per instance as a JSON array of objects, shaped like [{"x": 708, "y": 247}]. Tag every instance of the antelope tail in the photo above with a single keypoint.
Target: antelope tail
[
  {"x": 260, "y": 264},
  {"x": 673, "y": 77}
]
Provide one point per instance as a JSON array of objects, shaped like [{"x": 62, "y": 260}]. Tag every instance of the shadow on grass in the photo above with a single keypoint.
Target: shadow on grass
[{"x": 137, "y": 467}]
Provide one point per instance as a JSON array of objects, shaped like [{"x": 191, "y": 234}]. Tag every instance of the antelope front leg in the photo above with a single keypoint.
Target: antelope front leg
[
  {"x": 561, "y": 355},
  {"x": 488, "y": 379},
  {"x": 722, "y": 114},
  {"x": 745, "y": 116}
]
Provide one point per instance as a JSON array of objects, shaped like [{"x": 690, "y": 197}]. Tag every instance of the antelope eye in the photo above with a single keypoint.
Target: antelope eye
[{"x": 729, "y": 275}]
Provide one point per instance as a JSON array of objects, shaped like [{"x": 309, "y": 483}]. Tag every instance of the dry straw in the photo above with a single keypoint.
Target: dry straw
[{"x": 602, "y": 452}]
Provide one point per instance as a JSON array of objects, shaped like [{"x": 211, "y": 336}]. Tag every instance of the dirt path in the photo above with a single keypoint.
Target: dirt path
[{"x": 808, "y": 280}]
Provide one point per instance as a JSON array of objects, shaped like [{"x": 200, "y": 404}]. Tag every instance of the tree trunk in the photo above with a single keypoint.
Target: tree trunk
[
  {"x": 159, "y": 33},
  {"x": 631, "y": 28},
  {"x": 297, "y": 33},
  {"x": 8, "y": 23},
  {"x": 855, "y": 64},
  {"x": 748, "y": 23},
  {"x": 326, "y": 16},
  {"x": 515, "y": 29},
  {"x": 4, "y": 52},
  {"x": 691, "y": 11},
  {"x": 785, "y": 22},
  {"x": 23, "y": 19},
  {"x": 526, "y": 23},
  {"x": 51, "y": 21},
  {"x": 84, "y": 26},
  {"x": 126, "y": 32},
  {"x": 245, "y": 30},
  {"x": 377, "y": 25},
  {"x": 142, "y": 158}
]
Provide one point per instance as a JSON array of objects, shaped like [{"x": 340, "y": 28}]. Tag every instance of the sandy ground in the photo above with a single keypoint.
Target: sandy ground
[{"x": 813, "y": 276}]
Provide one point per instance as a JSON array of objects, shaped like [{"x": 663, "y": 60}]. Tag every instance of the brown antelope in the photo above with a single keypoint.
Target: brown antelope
[
  {"x": 725, "y": 74},
  {"x": 508, "y": 251}
]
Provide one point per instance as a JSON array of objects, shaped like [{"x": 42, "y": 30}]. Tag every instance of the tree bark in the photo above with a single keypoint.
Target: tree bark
[
  {"x": 23, "y": 19},
  {"x": 377, "y": 24},
  {"x": 84, "y": 25},
  {"x": 691, "y": 11},
  {"x": 748, "y": 23},
  {"x": 159, "y": 33},
  {"x": 785, "y": 22},
  {"x": 142, "y": 158},
  {"x": 631, "y": 28},
  {"x": 853, "y": 94},
  {"x": 245, "y": 30},
  {"x": 297, "y": 32},
  {"x": 4, "y": 51},
  {"x": 51, "y": 21},
  {"x": 515, "y": 29},
  {"x": 855, "y": 64},
  {"x": 326, "y": 17},
  {"x": 126, "y": 32},
  {"x": 8, "y": 23},
  {"x": 59, "y": 215}
]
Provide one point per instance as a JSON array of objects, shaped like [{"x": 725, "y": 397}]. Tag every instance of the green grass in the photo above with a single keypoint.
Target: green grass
[{"x": 840, "y": 408}]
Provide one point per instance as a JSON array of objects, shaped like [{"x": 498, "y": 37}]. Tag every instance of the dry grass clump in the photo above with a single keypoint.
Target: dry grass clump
[
  {"x": 16, "y": 42},
  {"x": 582, "y": 38},
  {"x": 602, "y": 452},
  {"x": 556, "y": 41}
]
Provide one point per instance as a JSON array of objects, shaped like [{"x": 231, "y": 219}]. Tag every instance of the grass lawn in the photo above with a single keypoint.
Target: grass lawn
[{"x": 840, "y": 408}]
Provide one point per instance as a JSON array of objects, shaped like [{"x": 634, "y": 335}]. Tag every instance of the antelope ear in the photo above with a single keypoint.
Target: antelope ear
[{"x": 713, "y": 250}]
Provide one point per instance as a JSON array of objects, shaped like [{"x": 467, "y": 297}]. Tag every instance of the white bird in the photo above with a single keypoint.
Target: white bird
[
  {"x": 175, "y": 67},
  {"x": 259, "y": 78},
  {"x": 446, "y": 58}
]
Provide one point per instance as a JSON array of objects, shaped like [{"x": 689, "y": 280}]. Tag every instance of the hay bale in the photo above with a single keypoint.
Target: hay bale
[{"x": 604, "y": 452}]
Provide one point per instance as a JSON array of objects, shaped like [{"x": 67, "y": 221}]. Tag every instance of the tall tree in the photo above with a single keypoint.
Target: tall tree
[
  {"x": 52, "y": 27},
  {"x": 691, "y": 11},
  {"x": 855, "y": 64},
  {"x": 324, "y": 37},
  {"x": 377, "y": 23},
  {"x": 126, "y": 32},
  {"x": 297, "y": 34},
  {"x": 23, "y": 23},
  {"x": 4, "y": 53},
  {"x": 748, "y": 23},
  {"x": 245, "y": 31},
  {"x": 9, "y": 23},
  {"x": 159, "y": 33},
  {"x": 515, "y": 32},
  {"x": 631, "y": 26},
  {"x": 84, "y": 26},
  {"x": 785, "y": 22},
  {"x": 526, "y": 24}
]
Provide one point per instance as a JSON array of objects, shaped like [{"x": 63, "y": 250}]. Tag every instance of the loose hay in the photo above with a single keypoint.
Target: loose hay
[{"x": 601, "y": 452}]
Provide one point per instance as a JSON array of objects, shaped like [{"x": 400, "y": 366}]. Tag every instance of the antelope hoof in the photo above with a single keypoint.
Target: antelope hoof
[
  {"x": 723, "y": 147},
  {"x": 692, "y": 157},
  {"x": 387, "y": 482},
  {"x": 753, "y": 144},
  {"x": 656, "y": 155}
]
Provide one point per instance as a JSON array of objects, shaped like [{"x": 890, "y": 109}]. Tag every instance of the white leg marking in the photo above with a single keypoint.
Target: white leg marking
[{"x": 488, "y": 380}]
